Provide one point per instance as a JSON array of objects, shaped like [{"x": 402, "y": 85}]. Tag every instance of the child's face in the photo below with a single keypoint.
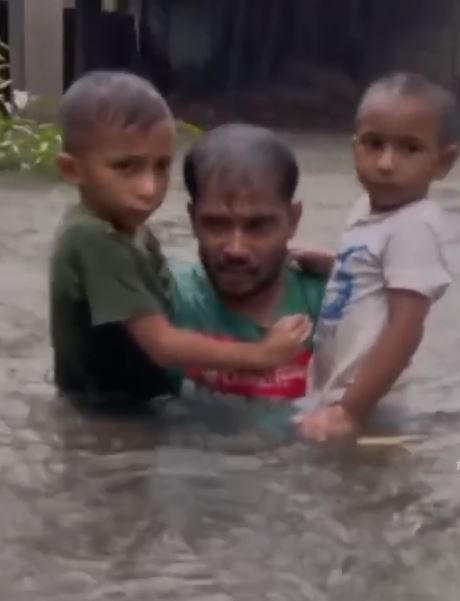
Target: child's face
[
  {"x": 397, "y": 150},
  {"x": 123, "y": 173}
]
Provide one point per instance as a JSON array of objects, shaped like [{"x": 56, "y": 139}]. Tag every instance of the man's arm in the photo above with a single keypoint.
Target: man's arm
[{"x": 169, "y": 346}]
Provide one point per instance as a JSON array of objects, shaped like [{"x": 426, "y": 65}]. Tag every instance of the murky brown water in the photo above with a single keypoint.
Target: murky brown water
[{"x": 133, "y": 510}]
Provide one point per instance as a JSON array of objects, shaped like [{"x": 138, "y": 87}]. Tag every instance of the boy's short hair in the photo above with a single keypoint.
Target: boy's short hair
[
  {"x": 241, "y": 154},
  {"x": 417, "y": 85},
  {"x": 104, "y": 98}
]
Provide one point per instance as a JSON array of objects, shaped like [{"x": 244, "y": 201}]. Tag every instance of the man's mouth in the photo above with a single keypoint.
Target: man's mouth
[
  {"x": 236, "y": 270},
  {"x": 235, "y": 276}
]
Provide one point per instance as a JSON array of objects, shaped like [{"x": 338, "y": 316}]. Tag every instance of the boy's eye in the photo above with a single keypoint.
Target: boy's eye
[
  {"x": 372, "y": 142},
  {"x": 163, "y": 165},
  {"x": 411, "y": 147},
  {"x": 125, "y": 166}
]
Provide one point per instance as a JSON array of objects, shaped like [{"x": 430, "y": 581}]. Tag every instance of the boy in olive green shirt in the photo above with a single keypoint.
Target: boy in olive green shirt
[{"x": 110, "y": 287}]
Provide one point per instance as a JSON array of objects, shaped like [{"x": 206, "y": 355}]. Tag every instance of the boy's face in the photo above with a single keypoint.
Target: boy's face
[
  {"x": 243, "y": 235},
  {"x": 398, "y": 151},
  {"x": 123, "y": 173}
]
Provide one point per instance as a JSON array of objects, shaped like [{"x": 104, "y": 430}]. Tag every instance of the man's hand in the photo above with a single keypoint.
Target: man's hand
[
  {"x": 308, "y": 260},
  {"x": 285, "y": 340},
  {"x": 327, "y": 423}
]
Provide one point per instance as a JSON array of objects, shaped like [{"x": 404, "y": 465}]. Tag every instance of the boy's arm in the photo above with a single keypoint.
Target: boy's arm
[
  {"x": 169, "y": 346},
  {"x": 312, "y": 261},
  {"x": 116, "y": 292},
  {"x": 390, "y": 355},
  {"x": 379, "y": 370}
]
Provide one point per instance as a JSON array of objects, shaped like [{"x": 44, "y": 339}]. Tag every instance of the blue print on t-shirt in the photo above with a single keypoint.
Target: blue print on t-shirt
[{"x": 343, "y": 283}]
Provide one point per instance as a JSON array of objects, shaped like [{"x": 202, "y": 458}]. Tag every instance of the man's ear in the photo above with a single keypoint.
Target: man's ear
[
  {"x": 69, "y": 168},
  {"x": 295, "y": 214},
  {"x": 449, "y": 154}
]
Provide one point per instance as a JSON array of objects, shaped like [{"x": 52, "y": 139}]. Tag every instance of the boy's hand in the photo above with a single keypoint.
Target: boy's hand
[
  {"x": 308, "y": 260},
  {"x": 327, "y": 423},
  {"x": 285, "y": 340}
]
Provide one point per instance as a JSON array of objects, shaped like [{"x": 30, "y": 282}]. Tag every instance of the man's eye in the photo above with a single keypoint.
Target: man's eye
[
  {"x": 260, "y": 225},
  {"x": 215, "y": 225}
]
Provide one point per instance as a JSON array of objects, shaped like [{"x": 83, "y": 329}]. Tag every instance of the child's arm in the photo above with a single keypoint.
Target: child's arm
[
  {"x": 116, "y": 292},
  {"x": 169, "y": 346},
  {"x": 312, "y": 261},
  {"x": 379, "y": 370},
  {"x": 390, "y": 355}
]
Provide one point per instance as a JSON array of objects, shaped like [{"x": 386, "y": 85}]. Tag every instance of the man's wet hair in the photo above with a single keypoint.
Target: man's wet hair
[
  {"x": 415, "y": 85},
  {"x": 108, "y": 98},
  {"x": 240, "y": 155}
]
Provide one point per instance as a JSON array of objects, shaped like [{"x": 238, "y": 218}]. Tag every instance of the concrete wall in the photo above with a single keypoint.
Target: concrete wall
[{"x": 36, "y": 44}]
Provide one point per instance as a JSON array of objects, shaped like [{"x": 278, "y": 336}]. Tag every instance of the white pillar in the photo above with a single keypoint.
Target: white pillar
[{"x": 36, "y": 44}]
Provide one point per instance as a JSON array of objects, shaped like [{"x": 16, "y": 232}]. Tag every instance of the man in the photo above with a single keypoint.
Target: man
[{"x": 241, "y": 181}]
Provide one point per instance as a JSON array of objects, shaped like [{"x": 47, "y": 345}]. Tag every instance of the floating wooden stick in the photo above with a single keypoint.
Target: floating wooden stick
[{"x": 398, "y": 440}]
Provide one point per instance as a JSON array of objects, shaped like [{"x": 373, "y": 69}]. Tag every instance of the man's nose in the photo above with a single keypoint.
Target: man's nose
[
  {"x": 236, "y": 246},
  {"x": 386, "y": 162}
]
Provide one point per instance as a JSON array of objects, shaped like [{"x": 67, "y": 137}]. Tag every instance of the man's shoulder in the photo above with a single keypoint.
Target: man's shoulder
[
  {"x": 193, "y": 295},
  {"x": 304, "y": 292},
  {"x": 304, "y": 280},
  {"x": 189, "y": 277}
]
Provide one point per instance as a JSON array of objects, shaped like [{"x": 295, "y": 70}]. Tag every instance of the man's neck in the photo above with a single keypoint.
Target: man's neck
[{"x": 260, "y": 306}]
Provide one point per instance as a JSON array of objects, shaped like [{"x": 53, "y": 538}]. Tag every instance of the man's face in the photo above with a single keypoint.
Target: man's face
[
  {"x": 243, "y": 235},
  {"x": 124, "y": 173}
]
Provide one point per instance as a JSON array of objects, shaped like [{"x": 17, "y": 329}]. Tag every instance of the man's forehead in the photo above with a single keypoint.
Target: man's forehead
[
  {"x": 241, "y": 203},
  {"x": 240, "y": 191}
]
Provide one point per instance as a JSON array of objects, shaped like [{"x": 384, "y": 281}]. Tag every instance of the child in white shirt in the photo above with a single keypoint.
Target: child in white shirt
[{"x": 390, "y": 266}]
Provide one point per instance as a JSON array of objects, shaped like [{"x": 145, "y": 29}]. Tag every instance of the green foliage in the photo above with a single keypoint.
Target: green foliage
[{"x": 24, "y": 142}]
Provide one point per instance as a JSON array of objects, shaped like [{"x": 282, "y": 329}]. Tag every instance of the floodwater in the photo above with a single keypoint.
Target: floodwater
[{"x": 133, "y": 509}]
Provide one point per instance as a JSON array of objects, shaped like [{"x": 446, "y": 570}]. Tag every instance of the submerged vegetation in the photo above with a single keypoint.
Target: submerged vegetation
[{"x": 25, "y": 143}]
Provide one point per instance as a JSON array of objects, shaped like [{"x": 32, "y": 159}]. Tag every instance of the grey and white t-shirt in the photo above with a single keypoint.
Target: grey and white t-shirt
[{"x": 401, "y": 249}]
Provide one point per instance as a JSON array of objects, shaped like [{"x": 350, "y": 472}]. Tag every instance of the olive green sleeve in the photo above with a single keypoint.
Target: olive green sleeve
[{"x": 114, "y": 283}]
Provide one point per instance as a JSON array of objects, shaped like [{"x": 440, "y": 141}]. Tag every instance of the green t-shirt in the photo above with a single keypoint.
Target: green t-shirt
[
  {"x": 99, "y": 278},
  {"x": 198, "y": 307}
]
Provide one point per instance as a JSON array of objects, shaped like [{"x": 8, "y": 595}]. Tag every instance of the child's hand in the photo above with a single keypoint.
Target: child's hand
[
  {"x": 285, "y": 340},
  {"x": 316, "y": 261},
  {"x": 326, "y": 423}
]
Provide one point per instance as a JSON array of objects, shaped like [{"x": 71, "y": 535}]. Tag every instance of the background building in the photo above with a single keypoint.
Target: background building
[{"x": 200, "y": 46}]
